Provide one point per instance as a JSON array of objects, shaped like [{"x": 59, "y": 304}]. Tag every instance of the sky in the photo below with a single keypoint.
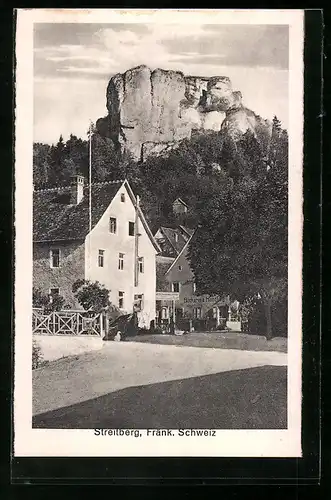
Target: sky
[{"x": 74, "y": 62}]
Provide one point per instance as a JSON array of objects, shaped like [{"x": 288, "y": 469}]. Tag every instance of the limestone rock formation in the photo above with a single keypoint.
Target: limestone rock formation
[{"x": 150, "y": 111}]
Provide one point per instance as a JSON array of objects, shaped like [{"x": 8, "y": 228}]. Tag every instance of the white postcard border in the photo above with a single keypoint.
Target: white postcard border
[{"x": 233, "y": 443}]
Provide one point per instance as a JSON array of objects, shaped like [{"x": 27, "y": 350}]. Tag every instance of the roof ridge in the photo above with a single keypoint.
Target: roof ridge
[
  {"x": 50, "y": 189},
  {"x": 57, "y": 188},
  {"x": 106, "y": 182}
]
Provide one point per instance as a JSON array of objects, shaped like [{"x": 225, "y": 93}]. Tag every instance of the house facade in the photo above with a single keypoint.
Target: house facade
[
  {"x": 180, "y": 278},
  {"x": 174, "y": 274},
  {"x": 110, "y": 243}
]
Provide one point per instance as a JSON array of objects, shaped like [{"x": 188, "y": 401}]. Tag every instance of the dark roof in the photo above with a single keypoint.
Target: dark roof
[
  {"x": 180, "y": 200},
  {"x": 187, "y": 230},
  {"x": 55, "y": 219},
  {"x": 162, "y": 285},
  {"x": 170, "y": 235}
]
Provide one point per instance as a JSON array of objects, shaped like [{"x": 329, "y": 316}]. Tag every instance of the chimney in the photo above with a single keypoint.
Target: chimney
[{"x": 77, "y": 189}]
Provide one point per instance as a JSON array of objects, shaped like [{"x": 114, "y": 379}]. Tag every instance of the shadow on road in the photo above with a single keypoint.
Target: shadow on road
[{"x": 254, "y": 398}]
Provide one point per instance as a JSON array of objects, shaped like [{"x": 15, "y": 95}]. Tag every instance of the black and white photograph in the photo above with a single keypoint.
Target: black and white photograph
[{"x": 158, "y": 215}]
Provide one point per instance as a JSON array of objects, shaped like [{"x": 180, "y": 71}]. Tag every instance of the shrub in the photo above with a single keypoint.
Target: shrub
[
  {"x": 48, "y": 303},
  {"x": 37, "y": 356},
  {"x": 39, "y": 299},
  {"x": 91, "y": 295}
]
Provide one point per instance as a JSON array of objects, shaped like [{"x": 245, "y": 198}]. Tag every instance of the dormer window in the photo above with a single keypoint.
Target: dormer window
[{"x": 123, "y": 197}]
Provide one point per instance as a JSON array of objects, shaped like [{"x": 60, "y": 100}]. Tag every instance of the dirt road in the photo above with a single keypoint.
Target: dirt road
[{"x": 65, "y": 384}]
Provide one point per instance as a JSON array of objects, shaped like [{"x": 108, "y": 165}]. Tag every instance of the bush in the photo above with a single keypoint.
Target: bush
[
  {"x": 91, "y": 296},
  {"x": 48, "y": 303},
  {"x": 37, "y": 357},
  {"x": 39, "y": 299}
]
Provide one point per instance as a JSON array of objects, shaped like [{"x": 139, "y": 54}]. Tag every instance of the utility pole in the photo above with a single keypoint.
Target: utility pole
[
  {"x": 90, "y": 178},
  {"x": 136, "y": 241}
]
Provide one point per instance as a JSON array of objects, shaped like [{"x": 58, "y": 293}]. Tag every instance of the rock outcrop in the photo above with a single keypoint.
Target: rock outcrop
[{"x": 150, "y": 111}]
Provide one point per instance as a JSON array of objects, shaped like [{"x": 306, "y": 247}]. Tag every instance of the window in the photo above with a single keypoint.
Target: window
[
  {"x": 112, "y": 225},
  {"x": 176, "y": 237},
  {"x": 197, "y": 312},
  {"x": 53, "y": 292},
  {"x": 141, "y": 264},
  {"x": 180, "y": 268},
  {"x": 55, "y": 257},
  {"x": 175, "y": 287},
  {"x": 214, "y": 312},
  {"x": 194, "y": 287},
  {"x": 139, "y": 301},
  {"x": 121, "y": 300},
  {"x": 121, "y": 261},
  {"x": 101, "y": 258},
  {"x": 131, "y": 228},
  {"x": 122, "y": 197}
]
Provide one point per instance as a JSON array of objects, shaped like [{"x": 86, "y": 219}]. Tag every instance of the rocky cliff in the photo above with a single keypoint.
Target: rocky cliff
[{"x": 150, "y": 111}]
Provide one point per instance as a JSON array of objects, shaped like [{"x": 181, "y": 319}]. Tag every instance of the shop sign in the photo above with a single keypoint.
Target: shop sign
[
  {"x": 201, "y": 300},
  {"x": 167, "y": 295}
]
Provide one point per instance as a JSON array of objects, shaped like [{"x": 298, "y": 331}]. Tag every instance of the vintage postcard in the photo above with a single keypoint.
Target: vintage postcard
[{"x": 158, "y": 220}]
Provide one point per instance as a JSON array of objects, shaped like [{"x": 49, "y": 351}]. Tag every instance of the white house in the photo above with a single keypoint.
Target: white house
[{"x": 111, "y": 243}]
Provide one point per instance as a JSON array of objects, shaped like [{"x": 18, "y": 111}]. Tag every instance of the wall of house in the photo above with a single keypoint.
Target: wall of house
[
  {"x": 72, "y": 268},
  {"x": 110, "y": 275},
  {"x": 188, "y": 299}
]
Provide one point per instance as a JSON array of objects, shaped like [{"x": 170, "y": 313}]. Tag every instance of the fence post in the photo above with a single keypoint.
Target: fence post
[
  {"x": 101, "y": 325},
  {"x": 77, "y": 323}
]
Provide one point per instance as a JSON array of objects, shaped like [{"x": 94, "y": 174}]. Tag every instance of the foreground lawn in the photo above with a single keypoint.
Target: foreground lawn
[
  {"x": 220, "y": 340},
  {"x": 252, "y": 398}
]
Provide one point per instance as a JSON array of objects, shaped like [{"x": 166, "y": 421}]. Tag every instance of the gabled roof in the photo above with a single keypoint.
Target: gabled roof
[
  {"x": 187, "y": 230},
  {"x": 181, "y": 201},
  {"x": 170, "y": 235},
  {"x": 54, "y": 219},
  {"x": 180, "y": 253},
  {"x": 142, "y": 217},
  {"x": 162, "y": 285}
]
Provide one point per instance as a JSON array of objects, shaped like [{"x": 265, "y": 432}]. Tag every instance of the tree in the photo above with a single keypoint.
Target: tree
[
  {"x": 240, "y": 247},
  {"x": 41, "y": 164},
  {"x": 48, "y": 303},
  {"x": 39, "y": 299},
  {"x": 57, "y": 155},
  {"x": 91, "y": 295}
]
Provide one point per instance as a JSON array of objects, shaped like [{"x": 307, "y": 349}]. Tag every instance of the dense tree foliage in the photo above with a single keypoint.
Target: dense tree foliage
[
  {"x": 241, "y": 245},
  {"x": 54, "y": 164},
  {"x": 48, "y": 302},
  {"x": 91, "y": 295},
  {"x": 236, "y": 192}
]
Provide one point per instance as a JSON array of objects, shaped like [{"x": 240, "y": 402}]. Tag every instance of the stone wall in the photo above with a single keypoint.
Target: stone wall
[{"x": 72, "y": 268}]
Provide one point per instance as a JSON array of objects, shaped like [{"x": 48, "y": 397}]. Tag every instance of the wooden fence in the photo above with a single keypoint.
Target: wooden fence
[{"x": 68, "y": 322}]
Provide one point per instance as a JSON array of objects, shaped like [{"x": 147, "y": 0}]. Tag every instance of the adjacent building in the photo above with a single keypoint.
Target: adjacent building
[
  {"x": 98, "y": 234},
  {"x": 175, "y": 276}
]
